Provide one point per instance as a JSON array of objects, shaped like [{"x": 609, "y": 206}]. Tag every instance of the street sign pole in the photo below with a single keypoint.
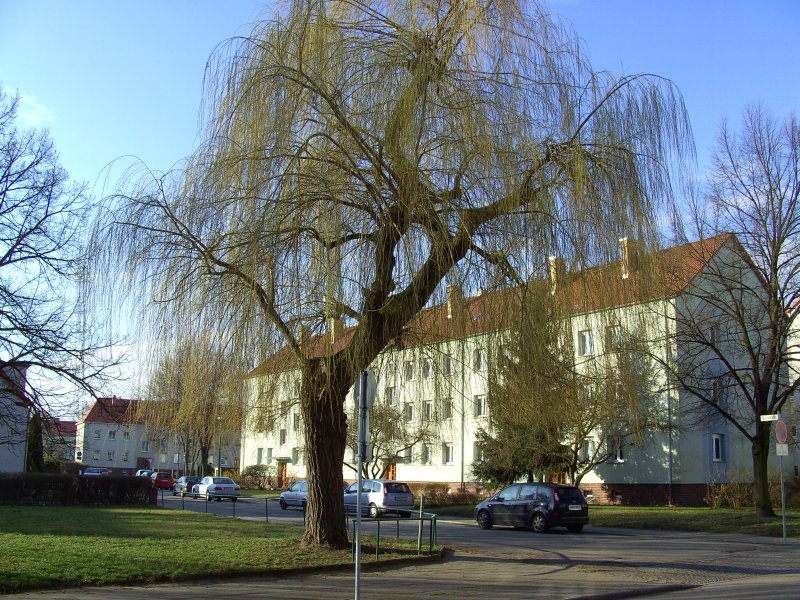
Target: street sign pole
[
  {"x": 782, "y": 449},
  {"x": 365, "y": 396}
]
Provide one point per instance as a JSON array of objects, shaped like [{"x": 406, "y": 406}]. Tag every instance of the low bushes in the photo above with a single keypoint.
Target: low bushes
[
  {"x": 737, "y": 492},
  {"x": 46, "y": 489}
]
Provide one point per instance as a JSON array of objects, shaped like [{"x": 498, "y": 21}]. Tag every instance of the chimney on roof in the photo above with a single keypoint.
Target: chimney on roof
[
  {"x": 629, "y": 253},
  {"x": 455, "y": 301},
  {"x": 335, "y": 329},
  {"x": 558, "y": 270}
]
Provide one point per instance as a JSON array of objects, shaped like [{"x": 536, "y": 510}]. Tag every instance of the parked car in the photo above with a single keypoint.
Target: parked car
[
  {"x": 538, "y": 506},
  {"x": 216, "y": 488},
  {"x": 183, "y": 485},
  {"x": 296, "y": 495},
  {"x": 379, "y": 496},
  {"x": 144, "y": 473},
  {"x": 162, "y": 480},
  {"x": 95, "y": 471}
]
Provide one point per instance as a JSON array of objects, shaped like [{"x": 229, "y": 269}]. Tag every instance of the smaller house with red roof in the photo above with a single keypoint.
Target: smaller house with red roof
[{"x": 112, "y": 434}]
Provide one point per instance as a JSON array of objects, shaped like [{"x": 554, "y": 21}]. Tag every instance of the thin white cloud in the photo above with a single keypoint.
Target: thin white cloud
[{"x": 32, "y": 113}]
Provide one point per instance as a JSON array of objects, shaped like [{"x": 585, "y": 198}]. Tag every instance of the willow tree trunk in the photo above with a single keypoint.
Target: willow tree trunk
[
  {"x": 760, "y": 449},
  {"x": 325, "y": 423}
]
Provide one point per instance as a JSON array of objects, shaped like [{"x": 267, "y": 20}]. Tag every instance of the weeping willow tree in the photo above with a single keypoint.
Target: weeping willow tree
[
  {"x": 194, "y": 398},
  {"x": 360, "y": 156}
]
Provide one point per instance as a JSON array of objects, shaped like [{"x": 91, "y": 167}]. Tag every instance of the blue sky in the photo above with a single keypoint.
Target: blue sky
[{"x": 114, "y": 78}]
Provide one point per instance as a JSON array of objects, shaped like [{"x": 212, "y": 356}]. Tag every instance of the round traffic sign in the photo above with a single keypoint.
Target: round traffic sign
[{"x": 781, "y": 432}]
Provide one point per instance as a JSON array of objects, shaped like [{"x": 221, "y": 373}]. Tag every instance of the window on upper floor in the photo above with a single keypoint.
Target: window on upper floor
[
  {"x": 110, "y": 455},
  {"x": 427, "y": 368},
  {"x": 616, "y": 449},
  {"x": 95, "y": 454},
  {"x": 481, "y": 409},
  {"x": 427, "y": 411},
  {"x": 478, "y": 359},
  {"x": 126, "y": 435},
  {"x": 409, "y": 370},
  {"x": 447, "y": 365},
  {"x": 447, "y": 453},
  {"x": 477, "y": 452},
  {"x": 447, "y": 409},
  {"x": 282, "y": 437},
  {"x": 717, "y": 447},
  {"x": 425, "y": 455},
  {"x": 613, "y": 341},
  {"x": 389, "y": 394},
  {"x": 145, "y": 446},
  {"x": 408, "y": 412},
  {"x": 112, "y": 434},
  {"x": 585, "y": 343},
  {"x": 296, "y": 421},
  {"x": 97, "y": 434}
]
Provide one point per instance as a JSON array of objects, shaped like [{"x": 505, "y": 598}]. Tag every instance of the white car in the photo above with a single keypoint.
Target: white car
[
  {"x": 216, "y": 488},
  {"x": 296, "y": 495},
  {"x": 379, "y": 496}
]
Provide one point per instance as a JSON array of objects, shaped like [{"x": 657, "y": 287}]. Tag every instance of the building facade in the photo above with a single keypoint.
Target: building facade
[
  {"x": 437, "y": 380},
  {"x": 14, "y": 415}
]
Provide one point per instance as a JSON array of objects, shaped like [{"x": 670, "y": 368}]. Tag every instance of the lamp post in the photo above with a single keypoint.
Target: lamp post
[{"x": 219, "y": 448}]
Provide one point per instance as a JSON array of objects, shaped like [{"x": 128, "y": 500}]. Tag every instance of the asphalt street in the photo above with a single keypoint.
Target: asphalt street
[{"x": 506, "y": 563}]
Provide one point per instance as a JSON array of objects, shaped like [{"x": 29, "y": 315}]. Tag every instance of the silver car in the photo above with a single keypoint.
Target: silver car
[
  {"x": 296, "y": 495},
  {"x": 216, "y": 488},
  {"x": 380, "y": 496}
]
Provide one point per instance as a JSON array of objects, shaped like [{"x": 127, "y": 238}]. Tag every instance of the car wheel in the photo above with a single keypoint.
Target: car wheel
[
  {"x": 208, "y": 497},
  {"x": 174, "y": 493},
  {"x": 282, "y": 502},
  {"x": 484, "y": 519},
  {"x": 538, "y": 523},
  {"x": 574, "y": 528},
  {"x": 373, "y": 511}
]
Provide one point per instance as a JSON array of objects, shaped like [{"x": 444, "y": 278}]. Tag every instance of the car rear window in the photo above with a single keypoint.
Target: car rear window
[
  {"x": 570, "y": 495},
  {"x": 397, "y": 488},
  {"x": 222, "y": 480}
]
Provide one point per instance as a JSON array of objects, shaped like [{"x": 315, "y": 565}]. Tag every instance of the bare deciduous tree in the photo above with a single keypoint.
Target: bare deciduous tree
[
  {"x": 42, "y": 328},
  {"x": 739, "y": 321},
  {"x": 360, "y": 155}
]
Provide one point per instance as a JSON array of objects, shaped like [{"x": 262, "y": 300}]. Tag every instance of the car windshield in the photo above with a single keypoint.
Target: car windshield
[
  {"x": 570, "y": 495},
  {"x": 397, "y": 488},
  {"x": 223, "y": 480}
]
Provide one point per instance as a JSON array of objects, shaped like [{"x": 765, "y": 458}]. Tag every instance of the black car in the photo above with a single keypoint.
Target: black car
[{"x": 538, "y": 506}]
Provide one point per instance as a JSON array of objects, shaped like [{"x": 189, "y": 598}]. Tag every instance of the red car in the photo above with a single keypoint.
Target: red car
[{"x": 162, "y": 480}]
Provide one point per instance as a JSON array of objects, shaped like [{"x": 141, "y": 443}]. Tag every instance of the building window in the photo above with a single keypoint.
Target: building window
[
  {"x": 176, "y": 458},
  {"x": 409, "y": 370},
  {"x": 616, "y": 449},
  {"x": 425, "y": 455},
  {"x": 407, "y": 456},
  {"x": 126, "y": 435},
  {"x": 408, "y": 412},
  {"x": 427, "y": 412},
  {"x": 447, "y": 409},
  {"x": 259, "y": 455},
  {"x": 110, "y": 455},
  {"x": 478, "y": 359},
  {"x": 295, "y": 456},
  {"x": 480, "y": 406},
  {"x": 447, "y": 453},
  {"x": 125, "y": 456},
  {"x": 269, "y": 455},
  {"x": 97, "y": 434},
  {"x": 477, "y": 452},
  {"x": 587, "y": 449},
  {"x": 427, "y": 368},
  {"x": 162, "y": 458},
  {"x": 282, "y": 437},
  {"x": 613, "y": 338},
  {"x": 112, "y": 434},
  {"x": 145, "y": 446},
  {"x": 297, "y": 421},
  {"x": 716, "y": 390},
  {"x": 390, "y": 395},
  {"x": 585, "y": 343},
  {"x": 717, "y": 447},
  {"x": 95, "y": 454},
  {"x": 447, "y": 365}
]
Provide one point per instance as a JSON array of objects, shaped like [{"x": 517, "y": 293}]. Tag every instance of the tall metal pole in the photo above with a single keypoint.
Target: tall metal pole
[{"x": 361, "y": 451}]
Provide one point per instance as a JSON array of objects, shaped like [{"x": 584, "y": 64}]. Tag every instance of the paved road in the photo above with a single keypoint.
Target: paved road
[{"x": 508, "y": 564}]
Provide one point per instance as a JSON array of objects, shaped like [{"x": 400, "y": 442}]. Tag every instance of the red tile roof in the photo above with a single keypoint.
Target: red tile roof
[
  {"x": 661, "y": 274},
  {"x": 112, "y": 410}
]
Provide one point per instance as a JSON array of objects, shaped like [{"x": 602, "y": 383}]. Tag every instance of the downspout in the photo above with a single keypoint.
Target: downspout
[{"x": 669, "y": 403}]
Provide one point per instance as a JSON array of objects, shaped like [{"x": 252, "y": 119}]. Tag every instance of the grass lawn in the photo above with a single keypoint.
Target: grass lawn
[
  {"x": 719, "y": 520},
  {"x": 69, "y": 546}
]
